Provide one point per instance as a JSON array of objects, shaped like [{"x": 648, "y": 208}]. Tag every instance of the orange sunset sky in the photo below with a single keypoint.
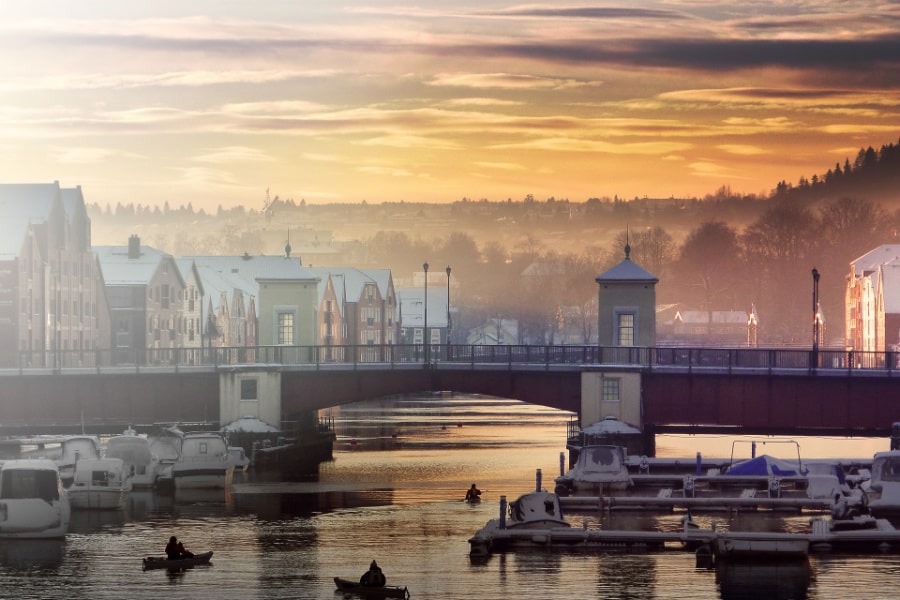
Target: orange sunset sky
[{"x": 213, "y": 102}]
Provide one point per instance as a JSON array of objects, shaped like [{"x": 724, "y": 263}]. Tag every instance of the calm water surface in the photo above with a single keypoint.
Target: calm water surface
[{"x": 393, "y": 492}]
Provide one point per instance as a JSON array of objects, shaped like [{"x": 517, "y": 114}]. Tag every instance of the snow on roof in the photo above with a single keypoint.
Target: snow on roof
[
  {"x": 627, "y": 270},
  {"x": 610, "y": 425},
  {"x": 718, "y": 316},
  {"x": 257, "y": 267},
  {"x": 250, "y": 425},
  {"x": 119, "y": 269},
  {"x": 871, "y": 259}
]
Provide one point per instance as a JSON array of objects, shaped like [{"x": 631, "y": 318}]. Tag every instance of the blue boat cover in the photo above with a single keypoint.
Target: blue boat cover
[{"x": 764, "y": 465}]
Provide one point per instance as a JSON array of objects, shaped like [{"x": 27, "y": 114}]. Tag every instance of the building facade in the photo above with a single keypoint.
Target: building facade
[{"x": 52, "y": 303}]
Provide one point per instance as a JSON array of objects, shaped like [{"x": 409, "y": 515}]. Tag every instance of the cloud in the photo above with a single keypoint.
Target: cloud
[
  {"x": 581, "y": 145},
  {"x": 501, "y": 166},
  {"x": 88, "y": 155},
  {"x": 742, "y": 149},
  {"x": 234, "y": 154},
  {"x": 507, "y": 81}
]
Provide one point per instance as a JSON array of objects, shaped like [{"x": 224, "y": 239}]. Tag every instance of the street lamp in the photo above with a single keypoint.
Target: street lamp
[
  {"x": 815, "y": 310},
  {"x": 449, "y": 326},
  {"x": 425, "y": 323}
]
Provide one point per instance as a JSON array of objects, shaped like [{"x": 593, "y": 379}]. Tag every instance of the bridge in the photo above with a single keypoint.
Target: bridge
[{"x": 696, "y": 390}]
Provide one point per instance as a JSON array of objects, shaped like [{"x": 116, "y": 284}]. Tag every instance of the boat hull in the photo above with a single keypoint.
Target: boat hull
[
  {"x": 106, "y": 499},
  {"x": 202, "y": 477},
  {"x": 161, "y": 562},
  {"x": 387, "y": 591}
]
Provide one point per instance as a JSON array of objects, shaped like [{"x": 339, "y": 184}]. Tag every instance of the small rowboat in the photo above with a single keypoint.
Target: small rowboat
[
  {"x": 386, "y": 591},
  {"x": 161, "y": 562}
]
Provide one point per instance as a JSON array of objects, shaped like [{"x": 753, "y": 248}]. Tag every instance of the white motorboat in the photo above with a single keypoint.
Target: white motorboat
[
  {"x": 239, "y": 458},
  {"x": 883, "y": 489},
  {"x": 165, "y": 445},
  {"x": 134, "y": 451},
  {"x": 600, "y": 469},
  {"x": 73, "y": 449},
  {"x": 204, "y": 462},
  {"x": 102, "y": 483},
  {"x": 33, "y": 502}
]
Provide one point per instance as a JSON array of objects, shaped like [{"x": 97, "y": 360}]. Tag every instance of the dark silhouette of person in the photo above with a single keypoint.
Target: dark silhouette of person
[
  {"x": 175, "y": 550},
  {"x": 472, "y": 493},
  {"x": 373, "y": 577}
]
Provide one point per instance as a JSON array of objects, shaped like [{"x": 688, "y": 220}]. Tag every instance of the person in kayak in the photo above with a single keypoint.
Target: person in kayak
[
  {"x": 373, "y": 577},
  {"x": 472, "y": 494}
]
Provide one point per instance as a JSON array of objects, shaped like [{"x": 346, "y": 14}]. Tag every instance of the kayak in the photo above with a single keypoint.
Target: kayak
[
  {"x": 161, "y": 562},
  {"x": 386, "y": 591}
]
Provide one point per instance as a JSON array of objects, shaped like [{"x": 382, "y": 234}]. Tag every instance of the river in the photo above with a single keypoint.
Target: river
[{"x": 394, "y": 493}]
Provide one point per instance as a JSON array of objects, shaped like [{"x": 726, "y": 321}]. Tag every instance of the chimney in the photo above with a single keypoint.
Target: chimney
[{"x": 134, "y": 247}]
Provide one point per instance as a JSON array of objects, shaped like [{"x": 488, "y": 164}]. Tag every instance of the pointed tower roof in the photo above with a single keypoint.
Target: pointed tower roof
[{"x": 627, "y": 271}]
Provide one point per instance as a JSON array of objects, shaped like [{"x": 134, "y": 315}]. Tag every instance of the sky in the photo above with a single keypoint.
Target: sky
[{"x": 217, "y": 103}]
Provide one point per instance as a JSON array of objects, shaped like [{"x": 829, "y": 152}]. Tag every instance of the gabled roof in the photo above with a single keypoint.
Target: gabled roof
[
  {"x": 118, "y": 269},
  {"x": 627, "y": 271},
  {"x": 22, "y": 204},
  {"x": 352, "y": 282},
  {"x": 869, "y": 261}
]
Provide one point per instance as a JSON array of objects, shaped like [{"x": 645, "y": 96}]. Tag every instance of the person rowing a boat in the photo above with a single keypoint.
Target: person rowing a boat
[
  {"x": 373, "y": 577},
  {"x": 175, "y": 550},
  {"x": 472, "y": 494}
]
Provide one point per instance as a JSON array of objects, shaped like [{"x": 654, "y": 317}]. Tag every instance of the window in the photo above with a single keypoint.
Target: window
[
  {"x": 625, "y": 325},
  {"x": 164, "y": 298},
  {"x": 610, "y": 389},
  {"x": 248, "y": 388},
  {"x": 285, "y": 333}
]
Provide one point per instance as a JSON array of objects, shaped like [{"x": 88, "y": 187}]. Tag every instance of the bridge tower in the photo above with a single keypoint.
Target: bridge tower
[
  {"x": 626, "y": 305},
  {"x": 626, "y": 326}
]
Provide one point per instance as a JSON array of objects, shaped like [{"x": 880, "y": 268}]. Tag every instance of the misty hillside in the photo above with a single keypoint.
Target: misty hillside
[{"x": 721, "y": 252}]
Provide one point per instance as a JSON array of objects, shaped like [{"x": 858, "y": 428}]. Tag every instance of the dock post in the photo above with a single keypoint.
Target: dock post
[
  {"x": 537, "y": 481},
  {"x": 502, "y": 512},
  {"x": 562, "y": 464},
  {"x": 699, "y": 464}
]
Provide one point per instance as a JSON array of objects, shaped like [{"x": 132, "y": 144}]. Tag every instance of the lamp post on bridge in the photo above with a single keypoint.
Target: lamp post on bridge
[
  {"x": 815, "y": 312},
  {"x": 425, "y": 323},
  {"x": 449, "y": 326}
]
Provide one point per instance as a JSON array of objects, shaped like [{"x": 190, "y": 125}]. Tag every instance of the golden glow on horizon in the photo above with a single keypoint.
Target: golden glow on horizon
[{"x": 348, "y": 101}]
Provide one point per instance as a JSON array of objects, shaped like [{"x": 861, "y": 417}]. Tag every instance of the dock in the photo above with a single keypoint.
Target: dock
[
  {"x": 668, "y": 503},
  {"x": 535, "y": 523}
]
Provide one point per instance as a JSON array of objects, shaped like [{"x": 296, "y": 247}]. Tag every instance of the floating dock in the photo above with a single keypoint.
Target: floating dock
[
  {"x": 535, "y": 522},
  {"x": 668, "y": 503}
]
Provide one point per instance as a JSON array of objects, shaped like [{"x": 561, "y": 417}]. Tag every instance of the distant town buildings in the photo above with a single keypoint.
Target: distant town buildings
[
  {"x": 873, "y": 300},
  {"x": 52, "y": 295}
]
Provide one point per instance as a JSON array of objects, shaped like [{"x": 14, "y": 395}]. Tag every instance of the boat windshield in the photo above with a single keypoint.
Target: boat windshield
[
  {"x": 887, "y": 469},
  {"x": 26, "y": 483},
  {"x": 602, "y": 459}
]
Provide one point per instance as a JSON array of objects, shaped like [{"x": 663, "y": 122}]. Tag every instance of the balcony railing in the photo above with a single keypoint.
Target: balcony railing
[{"x": 813, "y": 361}]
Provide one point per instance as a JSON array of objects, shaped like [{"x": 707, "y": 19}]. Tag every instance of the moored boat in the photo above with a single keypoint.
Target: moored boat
[
  {"x": 599, "y": 469},
  {"x": 162, "y": 562},
  {"x": 385, "y": 591},
  {"x": 134, "y": 450},
  {"x": 102, "y": 483},
  {"x": 883, "y": 490},
  {"x": 204, "y": 462},
  {"x": 33, "y": 502},
  {"x": 73, "y": 449}
]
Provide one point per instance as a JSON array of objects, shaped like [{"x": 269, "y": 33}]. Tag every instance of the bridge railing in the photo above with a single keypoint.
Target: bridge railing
[{"x": 663, "y": 357}]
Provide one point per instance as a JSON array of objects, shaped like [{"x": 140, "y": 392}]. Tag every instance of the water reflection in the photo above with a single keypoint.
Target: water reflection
[
  {"x": 773, "y": 580},
  {"x": 32, "y": 555},
  {"x": 90, "y": 521}
]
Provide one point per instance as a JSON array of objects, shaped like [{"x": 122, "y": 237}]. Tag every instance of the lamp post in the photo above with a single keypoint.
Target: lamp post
[
  {"x": 425, "y": 323},
  {"x": 448, "y": 312},
  {"x": 815, "y": 310}
]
